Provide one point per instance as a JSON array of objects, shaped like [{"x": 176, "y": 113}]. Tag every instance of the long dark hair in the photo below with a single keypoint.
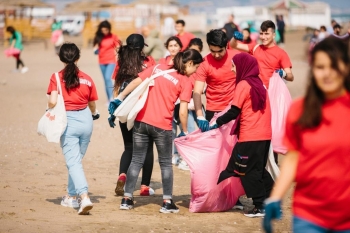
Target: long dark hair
[
  {"x": 130, "y": 63},
  {"x": 10, "y": 29},
  {"x": 248, "y": 40},
  {"x": 175, "y": 38},
  {"x": 99, "y": 35},
  {"x": 196, "y": 42},
  {"x": 182, "y": 58},
  {"x": 69, "y": 54},
  {"x": 337, "y": 51}
]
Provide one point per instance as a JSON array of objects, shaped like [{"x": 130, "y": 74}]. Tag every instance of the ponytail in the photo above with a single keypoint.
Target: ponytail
[
  {"x": 182, "y": 58},
  {"x": 69, "y": 54}
]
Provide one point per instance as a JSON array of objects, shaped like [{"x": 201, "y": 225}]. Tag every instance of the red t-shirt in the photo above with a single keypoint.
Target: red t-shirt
[
  {"x": 78, "y": 98},
  {"x": 185, "y": 39},
  {"x": 107, "y": 49},
  {"x": 159, "y": 107},
  {"x": 254, "y": 126},
  {"x": 221, "y": 81},
  {"x": 269, "y": 60},
  {"x": 322, "y": 191},
  {"x": 146, "y": 63},
  {"x": 165, "y": 60}
]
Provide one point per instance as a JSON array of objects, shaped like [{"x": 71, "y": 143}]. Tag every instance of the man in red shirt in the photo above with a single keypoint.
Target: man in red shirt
[
  {"x": 216, "y": 72},
  {"x": 184, "y": 36}
]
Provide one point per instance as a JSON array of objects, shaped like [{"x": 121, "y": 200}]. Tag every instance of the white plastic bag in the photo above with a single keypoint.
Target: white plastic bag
[{"x": 54, "y": 122}]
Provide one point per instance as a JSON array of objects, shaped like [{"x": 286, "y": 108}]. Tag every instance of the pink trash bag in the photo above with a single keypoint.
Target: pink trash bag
[
  {"x": 280, "y": 101},
  {"x": 55, "y": 35},
  {"x": 11, "y": 51},
  {"x": 207, "y": 154}
]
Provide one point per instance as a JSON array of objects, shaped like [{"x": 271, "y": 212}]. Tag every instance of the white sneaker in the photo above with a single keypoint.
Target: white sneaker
[
  {"x": 183, "y": 166},
  {"x": 71, "y": 202},
  {"x": 24, "y": 70},
  {"x": 176, "y": 159},
  {"x": 85, "y": 206}
]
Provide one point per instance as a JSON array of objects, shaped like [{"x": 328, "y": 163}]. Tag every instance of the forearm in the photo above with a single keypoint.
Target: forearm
[
  {"x": 289, "y": 77},
  {"x": 92, "y": 106},
  {"x": 197, "y": 99},
  {"x": 13, "y": 44},
  {"x": 230, "y": 115},
  {"x": 239, "y": 46},
  {"x": 183, "y": 114}
]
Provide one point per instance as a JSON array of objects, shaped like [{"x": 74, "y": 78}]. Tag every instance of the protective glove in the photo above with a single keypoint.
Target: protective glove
[
  {"x": 95, "y": 115},
  {"x": 203, "y": 124},
  {"x": 113, "y": 105},
  {"x": 111, "y": 120},
  {"x": 182, "y": 134},
  {"x": 213, "y": 125},
  {"x": 238, "y": 35},
  {"x": 281, "y": 73},
  {"x": 272, "y": 211},
  {"x": 96, "y": 51}
]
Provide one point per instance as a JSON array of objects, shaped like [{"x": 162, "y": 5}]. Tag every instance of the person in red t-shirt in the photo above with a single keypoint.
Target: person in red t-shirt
[
  {"x": 131, "y": 62},
  {"x": 216, "y": 72},
  {"x": 174, "y": 45},
  {"x": 105, "y": 45},
  {"x": 249, "y": 156},
  {"x": 184, "y": 36},
  {"x": 317, "y": 137},
  {"x": 153, "y": 122},
  {"x": 78, "y": 91}
]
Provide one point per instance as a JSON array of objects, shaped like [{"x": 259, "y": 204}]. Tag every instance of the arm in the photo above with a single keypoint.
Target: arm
[
  {"x": 239, "y": 46},
  {"x": 92, "y": 106},
  {"x": 135, "y": 83},
  {"x": 183, "y": 114},
  {"x": 52, "y": 99},
  {"x": 289, "y": 74},
  {"x": 197, "y": 96},
  {"x": 230, "y": 115},
  {"x": 13, "y": 43}
]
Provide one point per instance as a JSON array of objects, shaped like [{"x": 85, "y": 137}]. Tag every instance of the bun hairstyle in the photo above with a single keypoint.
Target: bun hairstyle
[
  {"x": 69, "y": 54},
  {"x": 182, "y": 58}
]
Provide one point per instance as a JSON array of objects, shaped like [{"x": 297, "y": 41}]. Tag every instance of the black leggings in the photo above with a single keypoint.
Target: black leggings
[
  {"x": 209, "y": 115},
  {"x": 125, "y": 160},
  {"x": 18, "y": 61}
]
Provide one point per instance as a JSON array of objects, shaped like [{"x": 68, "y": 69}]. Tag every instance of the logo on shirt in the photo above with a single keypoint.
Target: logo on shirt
[
  {"x": 84, "y": 81},
  {"x": 167, "y": 76}
]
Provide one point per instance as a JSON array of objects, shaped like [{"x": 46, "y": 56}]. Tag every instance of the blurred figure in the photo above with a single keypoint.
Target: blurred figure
[
  {"x": 317, "y": 136},
  {"x": 174, "y": 46},
  {"x": 196, "y": 44},
  {"x": 323, "y": 33},
  {"x": 105, "y": 46},
  {"x": 230, "y": 27},
  {"x": 16, "y": 43},
  {"x": 155, "y": 45},
  {"x": 184, "y": 36},
  {"x": 57, "y": 35},
  {"x": 336, "y": 29},
  {"x": 280, "y": 27},
  {"x": 312, "y": 43},
  {"x": 330, "y": 28},
  {"x": 247, "y": 38}
]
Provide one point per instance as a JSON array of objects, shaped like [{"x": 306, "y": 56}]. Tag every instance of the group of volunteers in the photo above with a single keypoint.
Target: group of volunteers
[{"x": 235, "y": 73}]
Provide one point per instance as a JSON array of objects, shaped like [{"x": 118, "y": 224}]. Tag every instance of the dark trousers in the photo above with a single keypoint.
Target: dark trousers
[
  {"x": 281, "y": 32},
  {"x": 18, "y": 61},
  {"x": 248, "y": 161},
  {"x": 125, "y": 160}
]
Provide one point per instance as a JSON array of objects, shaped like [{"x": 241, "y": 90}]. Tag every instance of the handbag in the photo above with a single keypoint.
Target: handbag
[{"x": 54, "y": 122}]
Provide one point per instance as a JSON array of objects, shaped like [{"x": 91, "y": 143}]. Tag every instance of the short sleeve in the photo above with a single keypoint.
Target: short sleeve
[
  {"x": 116, "y": 41},
  {"x": 285, "y": 60},
  {"x": 292, "y": 132},
  {"x": 146, "y": 73},
  {"x": 201, "y": 74},
  {"x": 93, "y": 92},
  {"x": 52, "y": 85},
  {"x": 151, "y": 61},
  {"x": 241, "y": 94},
  {"x": 186, "y": 90},
  {"x": 251, "y": 48}
]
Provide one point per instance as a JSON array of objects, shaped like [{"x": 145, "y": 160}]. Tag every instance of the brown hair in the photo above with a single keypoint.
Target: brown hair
[{"x": 182, "y": 58}]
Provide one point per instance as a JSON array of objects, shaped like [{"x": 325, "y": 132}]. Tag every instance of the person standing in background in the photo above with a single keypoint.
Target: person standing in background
[
  {"x": 230, "y": 27},
  {"x": 184, "y": 36},
  {"x": 57, "y": 35},
  {"x": 16, "y": 43},
  {"x": 155, "y": 45},
  {"x": 174, "y": 46},
  {"x": 105, "y": 46},
  {"x": 280, "y": 27}
]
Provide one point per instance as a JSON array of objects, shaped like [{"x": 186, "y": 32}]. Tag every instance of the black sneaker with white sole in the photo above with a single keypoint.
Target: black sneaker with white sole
[
  {"x": 255, "y": 212},
  {"x": 169, "y": 207},
  {"x": 127, "y": 204}
]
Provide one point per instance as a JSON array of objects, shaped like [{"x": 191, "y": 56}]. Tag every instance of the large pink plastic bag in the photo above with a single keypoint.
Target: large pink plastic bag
[
  {"x": 280, "y": 101},
  {"x": 207, "y": 154},
  {"x": 55, "y": 35},
  {"x": 11, "y": 51}
]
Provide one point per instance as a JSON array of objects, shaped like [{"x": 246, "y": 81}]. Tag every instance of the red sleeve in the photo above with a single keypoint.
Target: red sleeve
[
  {"x": 93, "y": 92},
  {"x": 186, "y": 90},
  {"x": 251, "y": 48},
  {"x": 146, "y": 73},
  {"x": 241, "y": 94},
  {"x": 285, "y": 60},
  {"x": 201, "y": 73},
  {"x": 116, "y": 41},
  {"x": 151, "y": 61},
  {"x": 292, "y": 133},
  {"x": 52, "y": 85},
  {"x": 115, "y": 71}
]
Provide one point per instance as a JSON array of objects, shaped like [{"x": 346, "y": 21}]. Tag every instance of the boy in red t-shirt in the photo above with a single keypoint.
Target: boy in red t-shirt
[{"x": 184, "y": 36}]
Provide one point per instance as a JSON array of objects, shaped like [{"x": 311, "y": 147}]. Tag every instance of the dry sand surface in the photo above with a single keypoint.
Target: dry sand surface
[{"x": 34, "y": 176}]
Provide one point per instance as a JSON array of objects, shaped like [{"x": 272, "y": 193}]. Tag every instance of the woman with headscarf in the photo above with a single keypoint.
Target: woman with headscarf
[{"x": 249, "y": 156}]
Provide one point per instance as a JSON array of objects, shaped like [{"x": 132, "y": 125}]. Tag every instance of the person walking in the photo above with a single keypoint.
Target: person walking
[
  {"x": 184, "y": 36},
  {"x": 317, "y": 137},
  {"x": 79, "y": 93},
  {"x": 57, "y": 35},
  {"x": 230, "y": 27},
  {"x": 281, "y": 28},
  {"x": 16, "y": 43}
]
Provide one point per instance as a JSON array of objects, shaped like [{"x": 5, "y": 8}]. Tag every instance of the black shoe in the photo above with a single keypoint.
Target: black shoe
[
  {"x": 169, "y": 207},
  {"x": 238, "y": 206},
  {"x": 127, "y": 204},
  {"x": 255, "y": 212}
]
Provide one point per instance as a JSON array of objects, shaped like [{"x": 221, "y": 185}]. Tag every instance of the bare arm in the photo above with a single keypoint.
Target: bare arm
[
  {"x": 92, "y": 106},
  {"x": 183, "y": 114},
  {"x": 197, "y": 96},
  {"x": 287, "y": 175},
  {"x": 13, "y": 43},
  {"x": 52, "y": 99},
  {"x": 239, "y": 46},
  {"x": 135, "y": 83},
  {"x": 289, "y": 74}
]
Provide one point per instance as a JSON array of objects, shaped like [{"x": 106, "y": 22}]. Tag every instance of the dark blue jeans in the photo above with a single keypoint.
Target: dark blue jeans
[
  {"x": 303, "y": 226},
  {"x": 143, "y": 136}
]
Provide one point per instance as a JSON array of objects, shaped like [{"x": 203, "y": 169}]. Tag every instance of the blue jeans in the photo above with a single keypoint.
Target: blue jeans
[
  {"x": 301, "y": 226},
  {"x": 143, "y": 136},
  {"x": 74, "y": 143},
  {"x": 190, "y": 127},
  {"x": 107, "y": 71}
]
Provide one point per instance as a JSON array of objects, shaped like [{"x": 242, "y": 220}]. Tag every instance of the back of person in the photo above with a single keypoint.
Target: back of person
[{"x": 155, "y": 49}]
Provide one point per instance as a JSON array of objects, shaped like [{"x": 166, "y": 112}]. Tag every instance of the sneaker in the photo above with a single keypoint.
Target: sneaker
[
  {"x": 127, "y": 204},
  {"x": 119, "y": 189},
  {"x": 71, "y": 202},
  {"x": 238, "y": 206},
  {"x": 169, "y": 207},
  {"x": 255, "y": 212},
  {"x": 146, "y": 191},
  {"x": 15, "y": 71},
  {"x": 183, "y": 166},
  {"x": 176, "y": 159},
  {"x": 85, "y": 206},
  {"x": 24, "y": 70}
]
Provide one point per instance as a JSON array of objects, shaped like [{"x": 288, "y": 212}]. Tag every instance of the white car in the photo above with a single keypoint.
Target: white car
[{"x": 72, "y": 24}]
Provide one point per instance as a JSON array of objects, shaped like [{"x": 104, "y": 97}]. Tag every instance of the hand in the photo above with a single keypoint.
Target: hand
[
  {"x": 96, "y": 51},
  {"x": 113, "y": 105},
  {"x": 272, "y": 211},
  {"x": 213, "y": 125},
  {"x": 182, "y": 134},
  {"x": 238, "y": 35},
  {"x": 281, "y": 73},
  {"x": 95, "y": 115},
  {"x": 203, "y": 124},
  {"x": 111, "y": 120}
]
